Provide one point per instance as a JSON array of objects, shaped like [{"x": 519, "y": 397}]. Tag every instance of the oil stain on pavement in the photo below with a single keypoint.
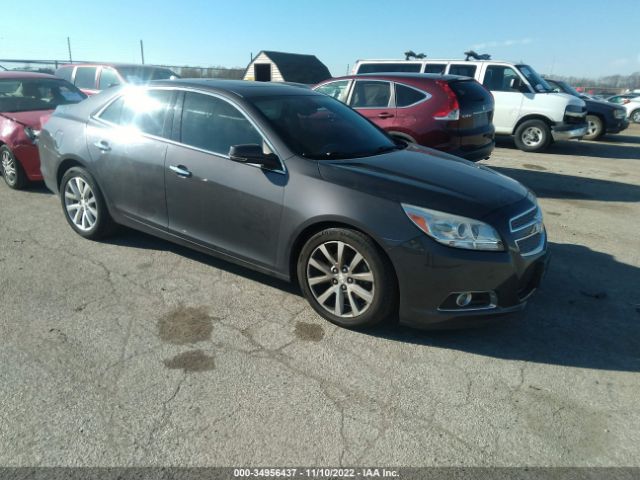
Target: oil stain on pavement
[
  {"x": 309, "y": 332},
  {"x": 185, "y": 325},
  {"x": 191, "y": 361}
]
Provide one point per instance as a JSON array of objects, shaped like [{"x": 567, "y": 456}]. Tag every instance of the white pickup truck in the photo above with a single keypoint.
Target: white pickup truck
[{"x": 525, "y": 105}]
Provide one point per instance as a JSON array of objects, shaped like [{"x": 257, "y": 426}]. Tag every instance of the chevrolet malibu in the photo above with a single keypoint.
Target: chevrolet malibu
[{"x": 297, "y": 185}]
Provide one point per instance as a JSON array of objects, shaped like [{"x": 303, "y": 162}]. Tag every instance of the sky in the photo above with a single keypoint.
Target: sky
[{"x": 586, "y": 38}]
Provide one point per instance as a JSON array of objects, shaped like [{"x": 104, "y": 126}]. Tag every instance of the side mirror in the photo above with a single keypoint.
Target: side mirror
[{"x": 253, "y": 154}]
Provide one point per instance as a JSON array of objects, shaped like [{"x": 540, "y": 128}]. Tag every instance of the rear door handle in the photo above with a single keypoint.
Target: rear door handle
[
  {"x": 102, "y": 146},
  {"x": 180, "y": 170},
  {"x": 385, "y": 115}
]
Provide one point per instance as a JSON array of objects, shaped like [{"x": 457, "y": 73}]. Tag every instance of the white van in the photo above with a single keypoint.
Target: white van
[{"x": 525, "y": 105}]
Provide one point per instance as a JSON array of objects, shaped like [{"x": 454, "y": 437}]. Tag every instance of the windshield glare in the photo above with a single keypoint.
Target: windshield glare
[
  {"x": 320, "y": 127},
  {"x": 537, "y": 82},
  {"x": 144, "y": 75},
  {"x": 31, "y": 94}
]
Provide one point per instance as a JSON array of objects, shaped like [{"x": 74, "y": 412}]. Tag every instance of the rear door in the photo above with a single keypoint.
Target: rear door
[
  {"x": 375, "y": 100},
  {"x": 508, "y": 101},
  {"x": 476, "y": 114},
  {"x": 127, "y": 143}
]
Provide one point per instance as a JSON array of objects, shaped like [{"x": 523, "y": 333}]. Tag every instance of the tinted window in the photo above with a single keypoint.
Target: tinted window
[
  {"x": 470, "y": 92},
  {"x": 214, "y": 125},
  {"x": 389, "y": 67},
  {"x": 65, "y": 73},
  {"x": 319, "y": 127},
  {"x": 108, "y": 78},
  {"x": 371, "y": 94},
  {"x": 406, "y": 96},
  {"x": 466, "y": 70},
  {"x": 337, "y": 90},
  {"x": 30, "y": 94},
  {"x": 498, "y": 78},
  {"x": 434, "y": 68},
  {"x": 147, "y": 111},
  {"x": 86, "y": 77}
]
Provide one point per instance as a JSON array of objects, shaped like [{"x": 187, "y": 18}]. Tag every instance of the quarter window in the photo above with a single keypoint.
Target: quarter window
[
  {"x": 147, "y": 111},
  {"x": 464, "y": 70},
  {"x": 498, "y": 78},
  {"x": 406, "y": 96},
  {"x": 86, "y": 77},
  {"x": 214, "y": 125},
  {"x": 337, "y": 90},
  {"x": 371, "y": 94}
]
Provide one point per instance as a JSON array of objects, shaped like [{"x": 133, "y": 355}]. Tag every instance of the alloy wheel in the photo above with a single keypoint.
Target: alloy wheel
[
  {"x": 532, "y": 136},
  {"x": 636, "y": 116},
  {"x": 9, "y": 167},
  {"x": 592, "y": 128},
  {"x": 340, "y": 279},
  {"x": 80, "y": 203}
]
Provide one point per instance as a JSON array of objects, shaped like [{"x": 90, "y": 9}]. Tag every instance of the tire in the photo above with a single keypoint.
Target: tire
[
  {"x": 595, "y": 128},
  {"x": 83, "y": 205},
  {"x": 635, "y": 116},
  {"x": 12, "y": 171},
  {"x": 532, "y": 136},
  {"x": 350, "y": 292}
]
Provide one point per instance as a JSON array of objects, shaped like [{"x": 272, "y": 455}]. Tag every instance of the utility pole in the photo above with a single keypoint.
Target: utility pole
[
  {"x": 69, "y": 48},
  {"x": 142, "y": 51}
]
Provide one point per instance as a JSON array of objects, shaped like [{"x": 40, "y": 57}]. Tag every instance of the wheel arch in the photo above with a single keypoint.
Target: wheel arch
[
  {"x": 402, "y": 136},
  {"x": 66, "y": 164},
  {"x": 534, "y": 116}
]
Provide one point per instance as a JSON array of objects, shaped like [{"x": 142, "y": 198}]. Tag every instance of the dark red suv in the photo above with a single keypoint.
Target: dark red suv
[{"x": 446, "y": 112}]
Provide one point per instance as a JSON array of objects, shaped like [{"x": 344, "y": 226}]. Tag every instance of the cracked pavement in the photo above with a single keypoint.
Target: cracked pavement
[{"x": 134, "y": 351}]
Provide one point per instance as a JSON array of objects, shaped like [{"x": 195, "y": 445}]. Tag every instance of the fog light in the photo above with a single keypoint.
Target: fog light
[{"x": 464, "y": 299}]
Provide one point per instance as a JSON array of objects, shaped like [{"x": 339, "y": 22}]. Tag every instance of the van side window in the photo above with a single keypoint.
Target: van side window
[
  {"x": 498, "y": 78},
  {"x": 389, "y": 68},
  {"x": 435, "y": 68},
  {"x": 337, "y": 90},
  {"x": 371, "y": 94},
  {"x": 463, "y": 69}
]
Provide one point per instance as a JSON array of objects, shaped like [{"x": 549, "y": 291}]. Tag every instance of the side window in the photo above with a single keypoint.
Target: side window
[
  {"x": 404, "y": 67},
  {"x": 465, "y": 70},
  {"x": 86, "y": 77},
  {"x": 147, "y": 112},
  {"x": 65, "y": 73},
  {"x": 212, "y": 124},
  {"x": 108, "y": 78},
  {"x": 371, "y": 94},
  {"x": 498, "y": 78},
  {"x": 406, "y": 96},
  {"x": 435, "y": 68},
  {"x": 337, "y": 90}
]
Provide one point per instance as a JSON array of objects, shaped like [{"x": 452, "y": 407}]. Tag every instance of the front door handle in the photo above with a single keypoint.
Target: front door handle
[
  {"x": 385, "y": 115},
  {"x": 102, "y": 146},
  {"x": 180, "y": 170}
]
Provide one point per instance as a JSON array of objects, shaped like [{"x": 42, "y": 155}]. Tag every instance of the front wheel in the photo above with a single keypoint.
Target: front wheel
[
  {"x": 83, "y": 205},
  {"x": 346, "y": 278},
  {"x": 595, "y": 128},
  {"x": 635, "y": 116},
  {"x": 12, "y": 171},
  {"x": 533, "y": 136}
]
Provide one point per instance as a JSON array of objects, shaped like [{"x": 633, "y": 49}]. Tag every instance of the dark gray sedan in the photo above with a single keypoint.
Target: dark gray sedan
[{"x": 299, "y": 186}]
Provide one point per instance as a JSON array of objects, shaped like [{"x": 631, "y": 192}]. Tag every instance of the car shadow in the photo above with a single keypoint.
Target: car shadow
[
  {"x": 606, "y": 150},
  {"x": 620, "y": 138},
  {"x": 586, "y": 315},
  {"x": 556, "y": 185}
]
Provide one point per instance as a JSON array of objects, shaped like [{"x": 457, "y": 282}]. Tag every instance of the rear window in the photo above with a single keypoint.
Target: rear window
[
  {"x": 406, "y": 96},
  {"x": 389, "y": 67},
  {"x": 469, "y": 91},
  {"x": 464, "y": 70}
]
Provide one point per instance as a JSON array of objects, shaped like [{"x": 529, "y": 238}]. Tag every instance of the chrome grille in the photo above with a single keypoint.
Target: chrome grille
[{"x": 528, "y": 231}]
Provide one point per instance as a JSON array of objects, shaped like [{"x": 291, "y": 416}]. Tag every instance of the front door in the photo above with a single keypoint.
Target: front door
[
  {"x": 374, "y": 100},
  {"x": 213, "y": 201},
  {"x": 508, "y": 101}
]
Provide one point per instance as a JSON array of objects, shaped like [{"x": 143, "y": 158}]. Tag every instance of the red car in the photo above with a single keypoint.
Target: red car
[
  {"x": 446, "y": 112},
  {"x": 26, "y": 101}
]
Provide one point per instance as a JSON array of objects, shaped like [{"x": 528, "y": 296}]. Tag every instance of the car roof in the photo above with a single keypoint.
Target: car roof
[
  {"x": 243, "y": 88},
  {"x": 401, "y": 76},
  {"x": 437, "y": 60},
  {"x": 18, "y": 74}
]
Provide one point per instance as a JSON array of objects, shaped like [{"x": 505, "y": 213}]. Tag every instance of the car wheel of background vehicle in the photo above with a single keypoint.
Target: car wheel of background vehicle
[
  {"x": 595, "y": 127},
  {"x": 83, "y": 205},
  {"x": 12, "y": 171},
  {"x": 533, "y": 136},
  {"x": 346, "y": 279},
  {"x": 635, "y": 116}
]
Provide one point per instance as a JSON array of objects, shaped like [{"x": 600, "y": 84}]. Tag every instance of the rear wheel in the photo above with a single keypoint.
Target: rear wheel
[
  {"x": 532, "y": 136},
  {"x": 12, "y": 171},
  {"x": 635, "y": 116},
  {"x": 83, "y": 205},
  {"x": 595, "y": 128},
  {"x": 346, "y": 279}
]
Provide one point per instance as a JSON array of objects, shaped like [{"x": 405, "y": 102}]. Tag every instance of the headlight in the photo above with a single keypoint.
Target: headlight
[
  {"x": 31, "y": 133},
  {"x": 619, "y": 113},
  {"x": 454, "y": 231}
]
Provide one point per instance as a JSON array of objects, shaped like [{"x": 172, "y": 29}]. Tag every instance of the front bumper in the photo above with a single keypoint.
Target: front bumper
[
  {"x": 569, "y": 131},
  {"x": 617, "y": 126}
]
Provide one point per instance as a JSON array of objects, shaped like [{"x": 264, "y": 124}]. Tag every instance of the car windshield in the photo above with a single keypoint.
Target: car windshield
[
  {"x": 31, "y": 94},
  {"x": 539, "y": 84},
  {"x": 566, "y": 88},
  {"x": 320, "y": 127},
  {"x": 145, "y": 74}
]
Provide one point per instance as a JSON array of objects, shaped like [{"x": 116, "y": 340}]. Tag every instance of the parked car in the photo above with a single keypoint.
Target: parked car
[
  {"x": 93, "y": 78},
  {"x": 26, "y": 99},
  {"x": 297, "y": 185},
  {"x": 602, "y": 117},
  {"x": 448, "y": 113},
  {"x": 630, "y": 102},
  {"x": 525, "y": 105}
]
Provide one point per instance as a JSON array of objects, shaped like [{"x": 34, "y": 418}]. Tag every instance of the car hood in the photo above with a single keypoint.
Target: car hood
[
  {"x": 34, "y": 119},
  {"x": 427, "y": 178}
]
